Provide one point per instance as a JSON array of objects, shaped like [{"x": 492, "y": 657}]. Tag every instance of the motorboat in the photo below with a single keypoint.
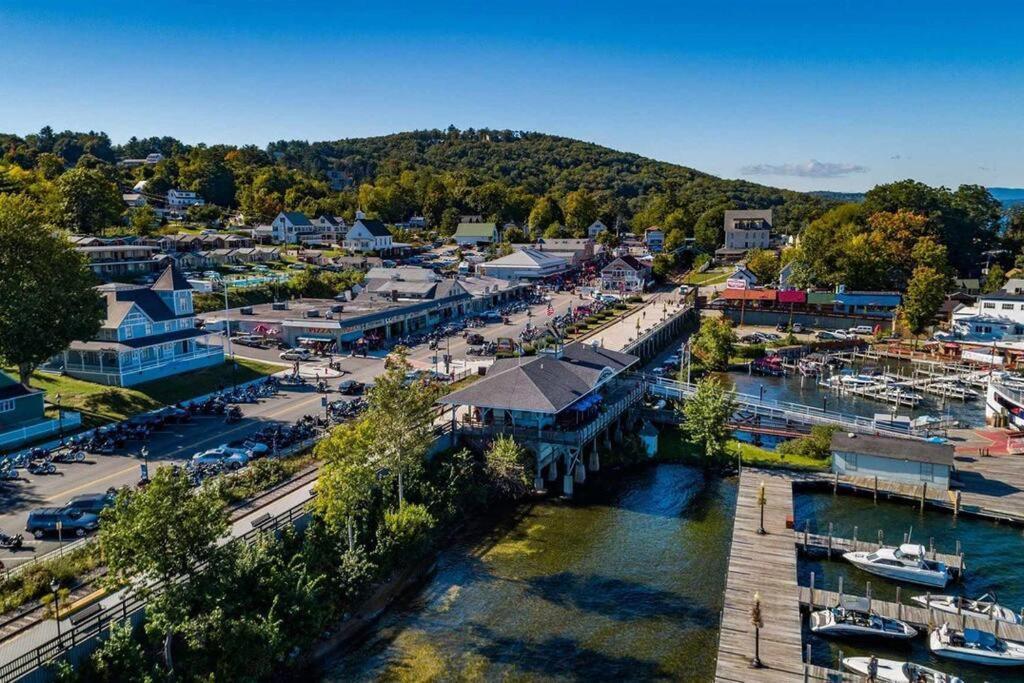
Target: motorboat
[
  {"x": 906, "y": 563},
  {"x": 977, "y": 647},
  {"x": 984, "y": 607},
  {"x": 840, "y": 621},
  {"x": 893, "y": 671}
]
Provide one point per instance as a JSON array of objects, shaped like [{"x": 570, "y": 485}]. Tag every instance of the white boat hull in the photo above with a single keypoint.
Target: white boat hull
[
  {"x": 892, "y": 671},
  {"x": 1013, "y": 656},
  {"x": 947, "y": 604},
  {"x": 922, "y": 577}
]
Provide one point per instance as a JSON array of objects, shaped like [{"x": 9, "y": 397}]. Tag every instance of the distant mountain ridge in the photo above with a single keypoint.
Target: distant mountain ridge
[{"x": 1007, "y": 196}]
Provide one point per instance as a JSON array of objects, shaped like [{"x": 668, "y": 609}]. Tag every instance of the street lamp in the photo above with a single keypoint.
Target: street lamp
[
  {"x": 144, "y": 452},
  {"x": 758, "y": 623},
  {"x": 60, "y": 420},
  {"x": 55, "y": 589},
  {"x": 761, "y": 500}
]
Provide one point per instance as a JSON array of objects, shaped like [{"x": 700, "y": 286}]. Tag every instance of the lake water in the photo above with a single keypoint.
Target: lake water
[
  {"x": 807, "y": 391},
  {"x": 992, "y": 554},
  {"x": 625, "y": 583}
]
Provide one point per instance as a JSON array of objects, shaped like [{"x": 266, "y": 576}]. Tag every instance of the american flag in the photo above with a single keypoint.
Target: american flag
[{"x": 551, "y": 310}]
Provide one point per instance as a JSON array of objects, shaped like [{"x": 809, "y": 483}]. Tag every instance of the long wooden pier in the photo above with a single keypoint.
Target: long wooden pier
[
  {"x": 763, "y": 564},
  {"x": 912, "y": 614}
]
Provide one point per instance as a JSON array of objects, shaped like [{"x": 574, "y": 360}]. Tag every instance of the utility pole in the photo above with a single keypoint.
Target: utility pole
[{"x": 227, "y": 318}]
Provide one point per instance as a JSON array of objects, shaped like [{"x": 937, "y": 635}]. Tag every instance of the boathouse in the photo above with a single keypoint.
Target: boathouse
[{"x": 903, "y": 461}]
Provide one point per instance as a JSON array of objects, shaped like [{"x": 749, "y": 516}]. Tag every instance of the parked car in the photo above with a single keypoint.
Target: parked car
[
  {"x": 798, "y": 327},
  {"x": 861, "y": 329},
  {"x": 296, "y": 354},
  {"x": 93, "y": 503},
  {"x": 250, "y": 340},
  {"x": 255, "y": 449},
  {"x": 44, "y": 521},
  {"x": 826, "y": 335},
  {"x": 220, "y": 455},
  {"x": 350, "y": 387}
]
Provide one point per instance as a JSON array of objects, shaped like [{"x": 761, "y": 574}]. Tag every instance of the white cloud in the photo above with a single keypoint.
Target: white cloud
[{"x": 808, "y": 169}]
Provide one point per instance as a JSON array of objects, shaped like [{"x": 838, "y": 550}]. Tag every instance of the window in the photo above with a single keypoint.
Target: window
[
  {"x": 988, "y": 305},
  {"x": 6, "y": 406},
  {"x": 927, "y": 471},
  {"x": 129, "y": 332},
  {"x": 1007, "y": 307},
  {"x": 851, "y": 462}
]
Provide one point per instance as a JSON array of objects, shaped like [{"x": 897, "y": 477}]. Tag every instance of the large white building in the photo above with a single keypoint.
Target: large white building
[
  {"x": 367, "y": 236},
  {"x": 182, "y": 199},
  {"x": 996, "y": 316},
  {"x": 524, "y": 264}
]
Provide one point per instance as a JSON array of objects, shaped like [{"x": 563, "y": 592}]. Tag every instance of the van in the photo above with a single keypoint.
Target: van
[{"x": 862, "y": 329}]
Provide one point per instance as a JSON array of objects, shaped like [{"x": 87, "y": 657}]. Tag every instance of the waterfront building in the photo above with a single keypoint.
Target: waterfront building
[
  {"x": 867, "y": 304},
  {"x": 625, "y": 275},
  {"x": 149, "y": 332},
  {"x": 903, "y": 461},
  {"x": 524, "y": 264}
]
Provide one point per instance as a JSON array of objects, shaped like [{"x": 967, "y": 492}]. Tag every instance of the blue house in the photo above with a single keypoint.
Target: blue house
[
  {"x": 21, "y": 414},
  {"x": 149, "y": 333},
  {"x": 869, "y": 304}
]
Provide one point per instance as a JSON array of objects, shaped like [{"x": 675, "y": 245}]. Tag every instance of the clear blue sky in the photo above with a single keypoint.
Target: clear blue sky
[{"x": 808, "y": 95}]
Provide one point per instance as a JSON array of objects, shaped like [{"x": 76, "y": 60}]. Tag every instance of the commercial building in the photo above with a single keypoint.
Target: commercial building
[
  {"x": 744, "y": 230},
  {"x": 624, "y": 275},
  {"x": 524, "y": 264},
  {"x": 120, "y": 260},
  {"x": 870, "y": 304},
  {"x": 902, "y": 461},
  {"x": 149, "y": 333}
]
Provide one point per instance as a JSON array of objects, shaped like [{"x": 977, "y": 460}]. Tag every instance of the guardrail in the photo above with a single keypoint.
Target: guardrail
[{"x": 92, "y": 625}]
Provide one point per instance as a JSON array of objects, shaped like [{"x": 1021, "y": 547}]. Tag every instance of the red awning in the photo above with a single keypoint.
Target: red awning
[{"x": 792, "y": 296}]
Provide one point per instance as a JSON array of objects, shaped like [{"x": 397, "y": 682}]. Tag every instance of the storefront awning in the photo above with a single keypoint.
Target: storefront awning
[{"x": 313, "y": 340}]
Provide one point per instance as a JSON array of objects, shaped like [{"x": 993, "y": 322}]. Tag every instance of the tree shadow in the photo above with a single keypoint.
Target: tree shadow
[{"x": 620, "y": 599}]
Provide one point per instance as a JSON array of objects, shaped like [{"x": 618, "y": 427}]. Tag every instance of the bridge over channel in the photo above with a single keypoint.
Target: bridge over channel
[{"x": 784, "y": 411}]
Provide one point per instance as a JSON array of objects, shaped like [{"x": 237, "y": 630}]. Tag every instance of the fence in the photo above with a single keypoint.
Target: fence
[
  {"x": 70, "y": 421},
  {"x": 90, "y": 625}
]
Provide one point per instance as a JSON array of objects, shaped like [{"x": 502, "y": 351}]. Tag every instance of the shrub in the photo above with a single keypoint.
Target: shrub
[{"x": 405, "y": 535}]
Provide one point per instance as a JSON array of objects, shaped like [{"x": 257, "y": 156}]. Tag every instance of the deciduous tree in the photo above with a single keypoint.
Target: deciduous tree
[
  {"x": 707, "y": 415},
  {"x": 88, "y": 202},
  {"x": 714, "y": 342}
]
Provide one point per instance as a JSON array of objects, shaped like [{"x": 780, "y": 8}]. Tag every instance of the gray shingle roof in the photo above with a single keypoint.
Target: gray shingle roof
[
  {"x": 375, "y": 228},
  {"x": 542, "y": 383},
  {"x": 171, "y": 280},
  {"x": 896, "y": 449}
]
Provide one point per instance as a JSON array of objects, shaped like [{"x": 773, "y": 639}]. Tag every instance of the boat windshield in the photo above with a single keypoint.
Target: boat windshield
[{"x": 872, "y": 557}]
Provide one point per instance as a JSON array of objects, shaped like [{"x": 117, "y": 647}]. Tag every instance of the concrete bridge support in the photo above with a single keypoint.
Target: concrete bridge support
[
  {"x": 595, "y": 459},
  {"x": 553, "y": 470},
  {"x": 579, "y": 472}
]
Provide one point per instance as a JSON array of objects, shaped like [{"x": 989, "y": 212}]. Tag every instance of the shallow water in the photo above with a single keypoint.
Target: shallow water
[
  {"x": 625, "y": 584},
  {"x": 992, "y": 552}
]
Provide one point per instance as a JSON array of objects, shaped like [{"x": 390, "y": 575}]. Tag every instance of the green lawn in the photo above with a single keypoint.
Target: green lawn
[
  {"x": 673, "y": 446},
  {"x": 711, "y": 277},
  {"x": 99, "y": 403}
]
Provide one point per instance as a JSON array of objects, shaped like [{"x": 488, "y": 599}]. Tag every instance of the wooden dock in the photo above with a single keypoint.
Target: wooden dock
[
  {"x": 765, "y": 564},
  {"x": 836, "y": 546},
  {"x": 912, "y": 614}
]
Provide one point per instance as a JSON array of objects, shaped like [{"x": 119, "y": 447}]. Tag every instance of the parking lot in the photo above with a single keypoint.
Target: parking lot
[{"x": 176, "y": 443}]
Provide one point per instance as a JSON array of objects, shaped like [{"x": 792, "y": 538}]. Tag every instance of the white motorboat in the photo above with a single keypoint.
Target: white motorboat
[
  {"x": 892, "y": 671},
  {"x": 984, "y": 607},
  {"x": 840, "y": 621},
  {"x": 906, "y": 563},
  {"x": 977, "y": 647}
]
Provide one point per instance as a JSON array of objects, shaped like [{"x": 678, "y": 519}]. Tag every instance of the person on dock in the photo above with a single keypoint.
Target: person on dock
[{"x": 873, "y": 669}]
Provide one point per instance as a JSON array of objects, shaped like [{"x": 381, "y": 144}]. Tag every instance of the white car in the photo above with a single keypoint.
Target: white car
[
  {"x": 296, "y": 354},
  {"x": 250, "y": 449},
  {"x": 218, "y": 455}
]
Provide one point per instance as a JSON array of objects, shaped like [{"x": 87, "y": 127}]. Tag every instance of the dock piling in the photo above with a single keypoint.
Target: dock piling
[
  {"x": 928, "y": 606},
  {"x": 876, "y": 489},
  {"x": 924, "y": 493},
  {"x": 855, "y": 538},
  {"x": 881, "y": 537},
  {"x": 899, "y": 605},
  {"x": 840, "y": 591},
  {"x": 830, "y": 540},
  {"x": 867, "y": 594},
  {"x": 812, "y": 591}
]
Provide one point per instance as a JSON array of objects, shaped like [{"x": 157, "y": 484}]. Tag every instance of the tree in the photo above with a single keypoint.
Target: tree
[
  {"x": 764, "y": 263},
  {"x": 162, "y": 532},
  {"x": 87, "y": 202},
  {"x": 710, "y": 227},
  {"x": 514, "y": 235},
  {"x": 142, "y": 219},
  {"x": 925, "y": 294},
  {"x": 580, "y": 210},
  {"x": 48, "y": 297},
  {"x": 994, "y": 279},
  {"x": 545, "y": 211},
  {"x": 707, "y": 414},
  {"x": 714, "y": 342},
  {"x": 506, "y": 468},
  {"x": 608, "y": 238},
  {"x": 817, "y": 445},
  {"x": 346, "y": 485},
  {"x": 405, "y": 534},
  {"x": 401, "y": 417}
]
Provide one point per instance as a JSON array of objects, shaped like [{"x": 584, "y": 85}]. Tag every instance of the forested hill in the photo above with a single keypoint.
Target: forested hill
[{"x": 545, "y": 165}]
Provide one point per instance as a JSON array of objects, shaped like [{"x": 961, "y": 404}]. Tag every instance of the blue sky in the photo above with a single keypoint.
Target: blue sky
[{"x": 807, "y": 95}]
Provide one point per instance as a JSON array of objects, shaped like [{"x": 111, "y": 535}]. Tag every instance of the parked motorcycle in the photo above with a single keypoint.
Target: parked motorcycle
[
  {"x": 11, "y": 542},
  {"x": 42, "y": 467},
  {"x": 234, "y": 414},
  {"x": 69, "y": 455}
]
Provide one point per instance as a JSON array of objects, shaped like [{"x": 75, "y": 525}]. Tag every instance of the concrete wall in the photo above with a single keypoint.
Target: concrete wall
[{"x": 889, "y": 469}]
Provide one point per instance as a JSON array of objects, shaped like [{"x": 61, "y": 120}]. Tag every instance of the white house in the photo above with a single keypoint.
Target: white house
[
  {"x": 368, "y": 235},
  {"x": 182, "y": 199},
  {"x": 332, "y": 228},
  {"x": 741, "y": 278},
  {"x": 744, "y": 230},
  {"x": 290, "y": 226},
  {"x": 995, "y": 316},
  {"x": 625, "y": 275},
  {"x": 133, "y": 200},
  {"x": 654, "y": 238},
  {"x": 524, "y": 264},
  {"x": 903, "y": 461},
  {"x": 595, "y": 229}
]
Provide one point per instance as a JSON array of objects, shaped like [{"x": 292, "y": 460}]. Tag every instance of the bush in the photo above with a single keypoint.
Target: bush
[
  {"x": 34, "y": 582},
  {"x": 405, "y": 535},
  {"x": 751, "y": 351},
  {"x": 817, "y": 445}
]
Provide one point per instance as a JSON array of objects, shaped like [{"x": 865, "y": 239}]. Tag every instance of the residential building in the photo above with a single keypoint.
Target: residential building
[
  {"x": 331, "y": 228},
  {"x": 150, "y": 160},
  {"x": 471, "y": 234},
  {"x": 149, "y": 332},
  {"x": 744, "y": 230},
  {"x": 970, "y": 285},
  {"x": 117, "y": 260},
  {"x": 367, "y": 236},
  {"x": 21, "y": 413},
  {"x": 133, "y": 200},
  {"x": 903, "y": 461},
  {"x": 288, "y": 227},
  {"x": 595, "y": 229},
  {"x": 338, "y": 180},
  {"x": 624, "y": 275},
  {"x": 654, "y": 239},
  {"x": 524, "y": 264},
  {"x": 741, "y": 278},
  {"x": 178, "y": 200}
]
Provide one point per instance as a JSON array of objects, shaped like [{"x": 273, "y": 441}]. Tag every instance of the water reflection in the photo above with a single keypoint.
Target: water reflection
[{"x": 625, "y": 584}]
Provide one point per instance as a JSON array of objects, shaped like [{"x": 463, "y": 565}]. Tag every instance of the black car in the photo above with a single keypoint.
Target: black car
[
  {"x": 92, "y": 503},
  {"x": 73, "y": 522},
  {"x": 350, "y": 387}
]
